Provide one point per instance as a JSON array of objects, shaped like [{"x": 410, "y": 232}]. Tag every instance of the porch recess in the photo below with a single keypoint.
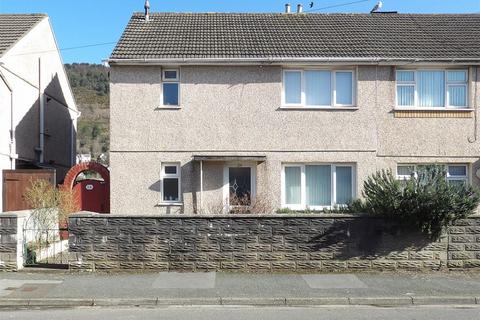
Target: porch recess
[{"x": 223, "y": 158}]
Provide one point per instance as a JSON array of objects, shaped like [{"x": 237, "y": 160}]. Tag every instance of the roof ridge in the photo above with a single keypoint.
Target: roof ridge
[
  {"x": 383, "y": 14},
  {"x": 38, "y": 14}
]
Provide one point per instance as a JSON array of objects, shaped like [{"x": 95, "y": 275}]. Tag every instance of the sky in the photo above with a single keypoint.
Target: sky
[{"x": 96, "y": 25}]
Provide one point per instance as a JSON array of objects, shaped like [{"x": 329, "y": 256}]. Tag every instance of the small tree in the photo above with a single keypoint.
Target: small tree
[{"x": 427, "y": 201}]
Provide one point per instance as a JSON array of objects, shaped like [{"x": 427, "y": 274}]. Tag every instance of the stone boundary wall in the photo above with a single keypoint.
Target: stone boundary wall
[
  {"x": 11, "y": 239},
  {"x": 303, "y": 243},
  {"x": 464, "y": 244},
  {"x": 8, "y": 243}
]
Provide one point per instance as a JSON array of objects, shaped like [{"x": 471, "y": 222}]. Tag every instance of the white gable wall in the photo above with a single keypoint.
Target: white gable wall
[
  {"x": 20, "y": 66},
  {"x": 4, "y": 133}
]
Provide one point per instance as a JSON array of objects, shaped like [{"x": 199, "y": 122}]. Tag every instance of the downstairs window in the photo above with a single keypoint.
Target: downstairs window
[
  {"x": 170, "y": 183},
  {"x": 456, "y": 173},
  {"x": 317, "y": 186}
]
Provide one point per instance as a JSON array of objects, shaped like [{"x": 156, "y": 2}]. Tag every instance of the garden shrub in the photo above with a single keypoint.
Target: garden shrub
[{"x": 426, "y": 202}]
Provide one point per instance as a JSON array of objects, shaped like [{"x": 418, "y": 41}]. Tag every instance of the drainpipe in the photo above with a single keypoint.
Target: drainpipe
[
  {"x": 475, "y": 107},
  {"x": 13, "y": 154},
  {"x": 41, "y": 146},
  {"x": 72, "y": 149},
  {"x": 201, "y": 186}
]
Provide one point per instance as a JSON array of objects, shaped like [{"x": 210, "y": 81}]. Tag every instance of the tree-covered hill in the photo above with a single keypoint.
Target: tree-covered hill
[{"x": 90, "y": 87}]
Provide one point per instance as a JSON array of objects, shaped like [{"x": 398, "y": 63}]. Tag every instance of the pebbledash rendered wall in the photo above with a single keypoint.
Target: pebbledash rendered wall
[{"x": 264, "y": 243}]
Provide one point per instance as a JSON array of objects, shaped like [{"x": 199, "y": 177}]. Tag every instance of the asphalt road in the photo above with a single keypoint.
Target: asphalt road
[{"x": 253, "y": 313}]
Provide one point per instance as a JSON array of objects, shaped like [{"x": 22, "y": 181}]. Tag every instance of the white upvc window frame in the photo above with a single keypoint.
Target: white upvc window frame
[
  {"x": 177, "y": 175},
  {"x": 406, "y": 84},
  {"x": 446, "y": 85},
  {"x": 449, "y": 84},
  {"x": 302, "y": 88},
  {"x": 170, "y": 80},
  {"x": 465, "y": 178},
  {"x": 333, "y": 89},
  {"x": 303, "y": 182},
  {"x": 405, "y": 176},
  {"x": 303, "y": 185}
]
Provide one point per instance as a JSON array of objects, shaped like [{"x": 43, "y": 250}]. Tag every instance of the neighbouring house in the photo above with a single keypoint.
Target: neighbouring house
[
  {"x": 216, "y": 110},
  {"x": 84, "y": 157},
  {"x": 38, "y": 114}
]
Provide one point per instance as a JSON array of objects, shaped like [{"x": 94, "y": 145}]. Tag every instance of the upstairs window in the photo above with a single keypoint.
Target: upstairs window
[
  {"x": 170, "y": 87},
  {"x": 170, "y": 182},
  {"x": 318, "y": 88},
  {"x": 432, "y": 88}
]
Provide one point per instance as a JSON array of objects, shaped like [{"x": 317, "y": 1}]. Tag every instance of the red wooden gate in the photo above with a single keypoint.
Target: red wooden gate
[{"x": 91, "y": 194}]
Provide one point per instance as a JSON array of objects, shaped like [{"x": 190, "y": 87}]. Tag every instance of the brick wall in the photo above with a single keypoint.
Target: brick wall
[{"x": 264, "y": 243}]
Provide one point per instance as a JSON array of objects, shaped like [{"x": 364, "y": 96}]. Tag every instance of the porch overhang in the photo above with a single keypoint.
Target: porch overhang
[{"x": 257, "y": 158}]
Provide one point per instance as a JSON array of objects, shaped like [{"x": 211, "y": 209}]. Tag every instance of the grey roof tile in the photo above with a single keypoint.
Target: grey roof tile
[
  {"x": 273, "y": 35},
  {"x": 14, "y": 26}
]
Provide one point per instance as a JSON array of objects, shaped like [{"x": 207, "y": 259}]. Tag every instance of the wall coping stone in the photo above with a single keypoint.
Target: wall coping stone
[
  {"x": 16, "y": 214},
  {"x": 88, "y": 214}
]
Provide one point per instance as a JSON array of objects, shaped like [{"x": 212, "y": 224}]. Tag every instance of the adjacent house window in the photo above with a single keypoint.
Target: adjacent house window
[
  {"x": 317, "y": 186},
  {"x": 456, "y": 173},
  {"x": 432, "y": 88},
  {"x": 318, "y": 88},
  {"x": 170, "y": 182},
  {"x": 170, "y": 87}
]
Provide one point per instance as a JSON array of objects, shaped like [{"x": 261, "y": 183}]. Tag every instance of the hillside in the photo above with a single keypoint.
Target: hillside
[{"x": 91, "y": 90}]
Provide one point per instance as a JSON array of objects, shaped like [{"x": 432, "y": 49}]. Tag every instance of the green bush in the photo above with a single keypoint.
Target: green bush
[
  {"x": 426, "y": 202},
  {"x": 31, "y": 256}
]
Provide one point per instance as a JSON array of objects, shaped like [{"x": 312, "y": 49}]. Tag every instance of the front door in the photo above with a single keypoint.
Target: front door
[{"x": 240, "y": 186}]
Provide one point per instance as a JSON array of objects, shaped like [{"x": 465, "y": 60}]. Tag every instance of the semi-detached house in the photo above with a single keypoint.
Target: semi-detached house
[{"x": 294, "y": 110}]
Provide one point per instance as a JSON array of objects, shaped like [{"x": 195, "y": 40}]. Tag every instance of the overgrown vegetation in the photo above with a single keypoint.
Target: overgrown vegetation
[
  {"x": 426, "y": 202},
  {"x": 241, "y": 205},
  {"x": 90, "y": 85},
  {"x": 49, "y": 204}
]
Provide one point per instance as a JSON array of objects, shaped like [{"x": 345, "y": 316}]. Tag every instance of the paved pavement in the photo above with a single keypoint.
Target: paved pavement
[
  {"x": 156, "y": 289},
  {"x": 253, "y": 313}
]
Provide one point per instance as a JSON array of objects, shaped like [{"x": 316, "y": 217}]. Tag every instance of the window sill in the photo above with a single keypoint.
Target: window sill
[
  {"x": 439, "y": 109},
  {"x": 313, "y": 208},
  {"x": 336, "y": 108},
  {"x": 168, "y": 108},
  {"x": 169, "y": 204}
]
